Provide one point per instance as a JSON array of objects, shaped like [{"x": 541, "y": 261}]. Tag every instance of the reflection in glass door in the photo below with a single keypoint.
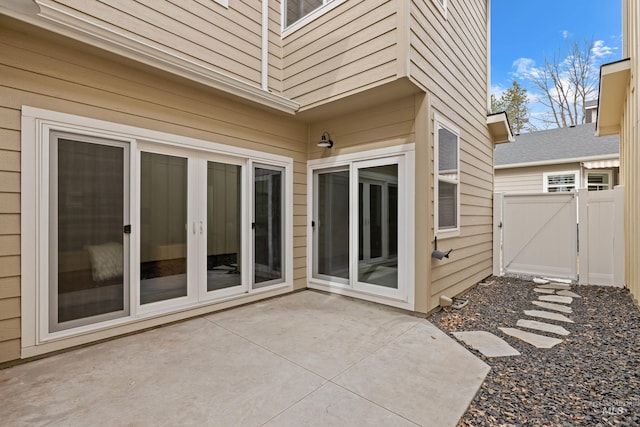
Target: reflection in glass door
[
  {"x": 268, "y": 221},
  {"x": 378, "y": 225},
  {"x": 163, "y": 222},
  {"x": 88, "y": 266},
  {"x": 223, "y": 226}
]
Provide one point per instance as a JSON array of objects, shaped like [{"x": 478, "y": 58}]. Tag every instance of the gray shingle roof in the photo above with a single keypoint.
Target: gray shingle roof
[{"x": 556, "y": 144}]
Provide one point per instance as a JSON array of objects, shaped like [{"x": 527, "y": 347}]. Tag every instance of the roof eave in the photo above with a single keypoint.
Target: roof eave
[
  {"x": 614, "y": 80},
  {"x": 499, "y": 128}
]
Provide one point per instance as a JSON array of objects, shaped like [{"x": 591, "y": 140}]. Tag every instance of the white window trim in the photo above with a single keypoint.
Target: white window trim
[
  {"x": 439, "y": 121},
  {"x": 546, "y": 175},
  {"x": 325, "y": 8},
  {"x": 36, "y": 126},
  {"x": 441, "y": 5},
  {"x": 345, "y": 161},
  {"x": 225, "y": 3}
]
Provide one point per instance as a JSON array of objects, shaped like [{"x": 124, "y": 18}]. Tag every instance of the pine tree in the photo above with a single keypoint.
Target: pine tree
[{"x": 514, "y": 102}]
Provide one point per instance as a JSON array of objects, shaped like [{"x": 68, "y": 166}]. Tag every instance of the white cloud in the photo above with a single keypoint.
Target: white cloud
[
  {"x": 601, "y": 50},
  {"x": 566, "y": 34},
  {"x": 523, "y": 66}
]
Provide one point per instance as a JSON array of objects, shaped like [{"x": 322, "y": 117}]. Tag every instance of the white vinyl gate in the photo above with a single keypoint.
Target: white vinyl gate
[{"x": 537, "y": 234}]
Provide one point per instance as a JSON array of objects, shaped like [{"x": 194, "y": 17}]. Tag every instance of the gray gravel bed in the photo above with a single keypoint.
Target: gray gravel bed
[{"x": 592, "y": 378}]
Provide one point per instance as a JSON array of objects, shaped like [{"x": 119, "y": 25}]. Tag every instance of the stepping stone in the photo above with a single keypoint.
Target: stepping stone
[
  {"x": 486, "y": 343},
  {"x": 554, "y": 280},
  {"x": 540, "y": 281},
  {"x": 544, "y": 291},
  {"x": 541, "y": 326},
  {"x": 539, "y": 341},
  {"x": 555, "y": 286},
  {"x": 552, "y": 306},
  {"x": 556, "y": 298},
  {"x": 548, "y": 315},
  {"x": 569, "y": 294}
]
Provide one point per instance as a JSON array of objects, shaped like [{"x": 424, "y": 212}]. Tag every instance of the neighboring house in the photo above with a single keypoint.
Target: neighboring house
[
  {"x": 161, "y": 160},
  {"x": 563, "y": 159},
  {"x": 619, "y": 107}
]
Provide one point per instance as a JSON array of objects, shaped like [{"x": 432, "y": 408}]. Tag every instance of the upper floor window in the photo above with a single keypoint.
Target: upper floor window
[
  {"x": 447, "y": 155},
  {"x": 298, "y": 9}
]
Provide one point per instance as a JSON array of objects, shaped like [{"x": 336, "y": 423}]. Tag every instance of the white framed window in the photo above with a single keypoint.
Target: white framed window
[
  {"x": 442, "y": 7},
  {"x": 598, "y": 181},
  {"x": 298, "y": 13},
  {"x": 121, "y": 224},
  {"x": 361, "y": 216},
  {"x": 447, "y": 178},
  {"x": 556, "y": 182}
]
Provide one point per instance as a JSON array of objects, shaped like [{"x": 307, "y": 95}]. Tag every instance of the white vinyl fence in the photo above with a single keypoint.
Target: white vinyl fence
[{"x": 537, "y": 234}]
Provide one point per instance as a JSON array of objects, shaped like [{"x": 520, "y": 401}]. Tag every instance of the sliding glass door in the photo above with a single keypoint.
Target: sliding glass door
[
  {"x": 356, "y": 227},
  {"x": 163, "y": 227},
  {"x": 88, "y": 202},
  {"x": 378, "y": 225},
  {"x": 223, "y": 225},
  {"x": 331, "y": 225},
  {"x": 268, "y": 226}
]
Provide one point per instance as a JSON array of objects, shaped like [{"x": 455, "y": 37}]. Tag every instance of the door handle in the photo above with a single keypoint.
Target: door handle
[{"x": 201, "y": 227}]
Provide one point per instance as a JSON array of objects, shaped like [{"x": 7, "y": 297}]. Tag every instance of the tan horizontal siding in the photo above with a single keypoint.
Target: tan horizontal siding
[
  {"x": 380, "y": 126},
  {"x": 206, "y": 33},
  {"x": 448, "y": 58},
  {"x": 43, "y": 70},
  {"x": 9, "y": 287},
  {"x": 344, "y": 51}
]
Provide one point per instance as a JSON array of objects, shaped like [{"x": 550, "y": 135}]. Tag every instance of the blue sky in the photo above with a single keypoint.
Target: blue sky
[{"x": 523, "y": 33}]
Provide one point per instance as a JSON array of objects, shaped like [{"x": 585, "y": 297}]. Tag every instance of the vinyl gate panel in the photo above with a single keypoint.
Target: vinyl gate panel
[
  {"x": 601, "y": 237},
  {"x": 600, "y": 212},
  {"x": 539, "y": 234}
]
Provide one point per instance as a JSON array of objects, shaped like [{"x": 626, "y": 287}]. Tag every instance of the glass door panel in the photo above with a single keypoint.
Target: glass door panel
[
  {"x": 223, "y": 226},
  {"x": 332, "y": 224},
  {"x": 163, "y": 221},
  {"x": 268, "y": 226},
  {"x": 378, "y": 225},
  {"x": 88, "y": 197}
]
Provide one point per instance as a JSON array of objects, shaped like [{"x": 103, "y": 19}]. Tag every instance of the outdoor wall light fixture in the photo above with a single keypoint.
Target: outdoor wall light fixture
[
  {"x": 325, "y": 140},
  {"x": 439, "y": 254}
]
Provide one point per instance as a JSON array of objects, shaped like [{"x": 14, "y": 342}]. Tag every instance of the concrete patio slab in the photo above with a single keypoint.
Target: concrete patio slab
[
  {"x": 552, "y": 306},
  {"x": 191, "y": 373},
  {"x": 320, "y": 332},
  {"x": 542, "y": 326},
  {"x": 332, "y": 405},
  {"x": 442, "y": 382},
  {"x": 566, "y": 293},
  {"x": 538, "y": 341},
  {"x": 556, "y": 298},
  {"x": 487, "y": 343},
  {"x": 232, "y": 369},
  {"x": 548, "y": 315}
]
